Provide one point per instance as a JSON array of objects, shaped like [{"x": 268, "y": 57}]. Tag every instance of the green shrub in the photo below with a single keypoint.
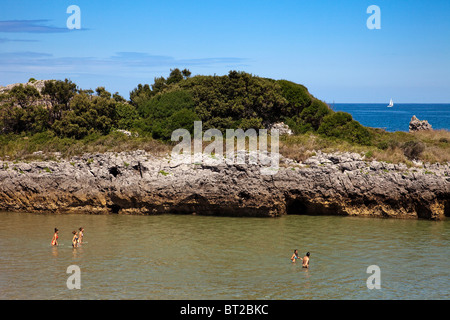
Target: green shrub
[
  {"x": 341, "y": 125},
  {"x": 309, "y": 117},
  {"x": 298, "y": 125},
  {"x": 297, "y": 96},
  {"x": 369, "y": 154},
  {"x": 59, "y": 92},
  {"x": 182, "y": 119},
  {"x": 383, "y": 145},
  {"x": 314, "y": 113},
  {"x": 413, "y": 149},
  {"x": 229, "y": 99},
  {"x": 127, "y": 115},
  {"x": 164, "y": 105},
  {"x": 87, "y": 115},
  {"x": 251, "y": 123},
  {"x": 24, "y": 95}
]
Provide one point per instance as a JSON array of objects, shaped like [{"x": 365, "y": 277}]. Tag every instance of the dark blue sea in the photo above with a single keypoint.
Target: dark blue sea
[{"x": 398, "y": 117}]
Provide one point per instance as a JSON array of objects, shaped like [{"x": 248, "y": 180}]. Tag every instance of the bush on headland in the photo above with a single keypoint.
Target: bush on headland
[
  {"x": 62, "y": 115},
  {"x": 342, "y": 126}
]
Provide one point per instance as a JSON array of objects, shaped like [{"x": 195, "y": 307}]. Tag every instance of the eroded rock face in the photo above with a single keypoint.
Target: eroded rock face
[
  {"x": 283, "y": 129},
  {"x": 419, "y": 125},
  {"x": 138, "y": 183},
  {"x": 38, "y": 84}
]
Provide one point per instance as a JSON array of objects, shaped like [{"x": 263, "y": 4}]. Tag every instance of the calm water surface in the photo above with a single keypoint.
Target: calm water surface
[
  {"x": 194, "y": 257},
  {"x": 398, "y": 117}
]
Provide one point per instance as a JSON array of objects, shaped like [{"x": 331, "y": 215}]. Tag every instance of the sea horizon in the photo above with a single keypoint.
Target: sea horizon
[{"x": 396, "y": 118}]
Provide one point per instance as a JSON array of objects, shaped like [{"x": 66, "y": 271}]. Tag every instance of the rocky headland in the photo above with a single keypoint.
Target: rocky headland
[{"x": 140, "y": 183}]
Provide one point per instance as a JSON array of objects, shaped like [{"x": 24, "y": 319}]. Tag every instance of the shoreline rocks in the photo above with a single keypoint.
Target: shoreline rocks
[{"x": 140, "y": 183}]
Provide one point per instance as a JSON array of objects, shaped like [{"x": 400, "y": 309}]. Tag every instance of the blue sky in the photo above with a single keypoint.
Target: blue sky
[{"x": 323, "y": 44}]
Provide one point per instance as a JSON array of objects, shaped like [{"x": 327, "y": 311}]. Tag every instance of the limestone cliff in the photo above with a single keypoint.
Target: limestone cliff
[{"x": 138, "y": 183}]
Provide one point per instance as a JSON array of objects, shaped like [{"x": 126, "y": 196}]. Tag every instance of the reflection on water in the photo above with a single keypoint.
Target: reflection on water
[{"x": 194, "y": 257}]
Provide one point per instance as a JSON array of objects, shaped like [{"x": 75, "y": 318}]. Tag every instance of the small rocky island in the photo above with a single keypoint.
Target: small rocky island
[
  {"x": 139, "y": 183},
  {"x": 419, "y": 125}
]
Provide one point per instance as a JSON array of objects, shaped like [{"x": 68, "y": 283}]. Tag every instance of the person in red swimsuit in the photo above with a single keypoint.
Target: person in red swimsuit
[{"x": 55, "y": 238}]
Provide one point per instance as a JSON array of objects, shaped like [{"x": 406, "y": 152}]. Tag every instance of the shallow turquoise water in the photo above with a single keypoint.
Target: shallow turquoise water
[{"x": 195, "y": 257}]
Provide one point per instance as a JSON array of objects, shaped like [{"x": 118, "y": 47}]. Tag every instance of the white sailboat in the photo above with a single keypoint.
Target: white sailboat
[{"x": 391, "y": 104}]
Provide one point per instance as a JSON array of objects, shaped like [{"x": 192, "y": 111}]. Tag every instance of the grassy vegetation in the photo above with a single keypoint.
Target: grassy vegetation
[
  {"x": 393, "y": 147},
  {"x": 387, "y": 146},
  {"x": 23, "y": 147}
]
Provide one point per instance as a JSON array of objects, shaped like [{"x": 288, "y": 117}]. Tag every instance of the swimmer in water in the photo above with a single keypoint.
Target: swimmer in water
[
  {"x": 295, "y": 256},
  {"x": 75, "y": 239},
  {"x": 55, "y": 238},
  {"x": 305, "y": 263},
  {"x": 80, "y": 235}
]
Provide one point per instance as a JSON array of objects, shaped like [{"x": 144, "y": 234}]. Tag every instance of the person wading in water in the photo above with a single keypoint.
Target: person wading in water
[
  {"x": 295, "y": 256},
  {"x": 75, "y": 239},
  {"x": 55, "y": 238},
  {"x": 305, "y": 263}
]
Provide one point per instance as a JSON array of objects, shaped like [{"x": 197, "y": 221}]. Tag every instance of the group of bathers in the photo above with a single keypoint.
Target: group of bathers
[{"x": 76, "y": 240}]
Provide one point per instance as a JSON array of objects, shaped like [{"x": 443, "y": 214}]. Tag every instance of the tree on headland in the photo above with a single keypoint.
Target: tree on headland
[
  {"x": 140, "y": 93},
  {"x": 60, "y": 92},
  {"x": 24, "y": 95},
  {"x": 159, "y": 84},
  {"x": 101, "y": 92},
  {"x": 175, "y": 76},
  {"x": 186, "y": 73}
]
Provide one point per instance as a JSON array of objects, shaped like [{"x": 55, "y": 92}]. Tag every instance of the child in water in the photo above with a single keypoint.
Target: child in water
[{"x": 55, "y": 238}]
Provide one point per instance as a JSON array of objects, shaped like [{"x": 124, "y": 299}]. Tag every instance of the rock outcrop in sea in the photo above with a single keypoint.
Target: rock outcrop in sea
[
  {"x": 140, "y": 183},
  {"x": 419, "y": 125}
]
